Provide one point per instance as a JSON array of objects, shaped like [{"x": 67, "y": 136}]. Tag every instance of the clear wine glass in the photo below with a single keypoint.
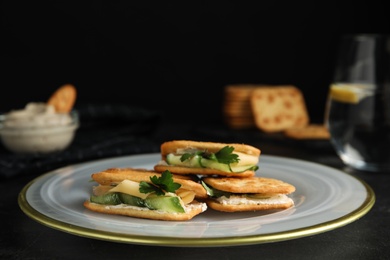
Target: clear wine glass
[{"x": 358, "y": 107}]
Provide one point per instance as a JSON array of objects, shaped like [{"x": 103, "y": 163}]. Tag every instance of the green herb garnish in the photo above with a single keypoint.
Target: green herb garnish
[
  {"x": 215, "y": 193},
  {"x": 186, "y": 156},
  {"x": 225, "y": 155},
  {"x": 159, "y": 185}
]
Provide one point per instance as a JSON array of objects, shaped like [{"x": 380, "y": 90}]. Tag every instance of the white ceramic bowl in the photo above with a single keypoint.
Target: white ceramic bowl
[{"x": 38, "y": 139}]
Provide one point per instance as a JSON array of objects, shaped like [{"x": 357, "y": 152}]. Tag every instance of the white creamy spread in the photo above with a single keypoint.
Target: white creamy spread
[
  {"x": 37, "y": 129},
  {"x": 243, "y": 200},
  {"x": 187, "y": 208},
  {"x": 186, "y": 150},
  {"x": 162, "y": 162},
  {"x": 36, "y": 114}
]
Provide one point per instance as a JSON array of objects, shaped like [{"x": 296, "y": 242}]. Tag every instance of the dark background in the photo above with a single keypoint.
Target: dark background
[{"x": 174, "y": 57}]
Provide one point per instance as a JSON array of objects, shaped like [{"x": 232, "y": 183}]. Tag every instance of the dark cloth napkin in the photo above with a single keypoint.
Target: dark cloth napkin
[{"x": 106, "y": 130}]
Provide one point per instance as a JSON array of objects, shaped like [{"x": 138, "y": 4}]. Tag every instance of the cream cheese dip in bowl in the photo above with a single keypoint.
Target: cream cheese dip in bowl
[{"x": 38, "y": 129}]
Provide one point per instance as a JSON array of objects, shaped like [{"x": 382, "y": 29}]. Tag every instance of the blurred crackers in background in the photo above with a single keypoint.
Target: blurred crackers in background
[
  {"x": 276, "y": 108},
  {"x": 270, "y": 108},
  {"x": 237, "y": 108},
  {"x": 312, "y": 131}
]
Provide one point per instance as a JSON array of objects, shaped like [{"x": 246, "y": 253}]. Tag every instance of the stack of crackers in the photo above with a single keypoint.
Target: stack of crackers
[
  {"x": 237, "y": 107},
  {"x": 270, "y": 108}
]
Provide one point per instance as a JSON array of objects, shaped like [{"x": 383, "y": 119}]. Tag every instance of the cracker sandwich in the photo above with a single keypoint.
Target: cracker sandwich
[
  {"x": 146, "y": 194},
  {"x": 208, "y": 158},
  {"x": 247, "y": 194}
]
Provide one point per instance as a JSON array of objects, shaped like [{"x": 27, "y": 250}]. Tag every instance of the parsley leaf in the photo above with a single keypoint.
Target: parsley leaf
[
  {"x": 145, "y": 187},
  {"x": 160, "y": 185},
  {"x": 226, "y": 155},
  {"x": 186, "y": 156},
  {"x": 215, "y": 193}
]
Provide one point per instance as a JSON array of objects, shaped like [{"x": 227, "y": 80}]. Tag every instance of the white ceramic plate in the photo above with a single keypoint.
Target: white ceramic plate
[{"x": 325, "y": 199}]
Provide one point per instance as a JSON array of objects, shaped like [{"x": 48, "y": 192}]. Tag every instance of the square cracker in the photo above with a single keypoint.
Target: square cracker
[
  {"x": 250, "y": 185},
  {"x": 311, "y": 131},
  {"x": 276, "y": 108}
]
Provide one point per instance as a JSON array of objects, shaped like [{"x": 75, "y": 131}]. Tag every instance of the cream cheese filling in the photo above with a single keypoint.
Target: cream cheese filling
[
  {"x": 187, "y": 208},
  {"x": 245, "y": 200}
]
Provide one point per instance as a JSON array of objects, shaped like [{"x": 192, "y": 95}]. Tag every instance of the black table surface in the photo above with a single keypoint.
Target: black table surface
[{"x": 366, "y": 238}]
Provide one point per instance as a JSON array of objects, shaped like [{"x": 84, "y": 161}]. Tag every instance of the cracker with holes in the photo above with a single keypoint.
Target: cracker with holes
[
  {"x": 146, "y": 194},
  {"x": 277, "y": 108},
  {"x": 248, "y": 194},
  {"x": 208, "y": 158}
]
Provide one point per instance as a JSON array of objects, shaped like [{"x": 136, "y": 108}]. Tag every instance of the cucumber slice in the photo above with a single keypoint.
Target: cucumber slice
[
  {"x": 200, "y": 162},
  {"x": 106, "y": 199},
  {"x": 131, "y": 200},
  {"x": 258, "y": 196},
  {"x": 244, "y": 168},
  {"x": 215, "y": 165},
  {"x": 226, "y": 167},
  {"x": 175, "y": 160},
  {"x": 116, "y": 198},
  {"x": 164, "y": 203}
]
